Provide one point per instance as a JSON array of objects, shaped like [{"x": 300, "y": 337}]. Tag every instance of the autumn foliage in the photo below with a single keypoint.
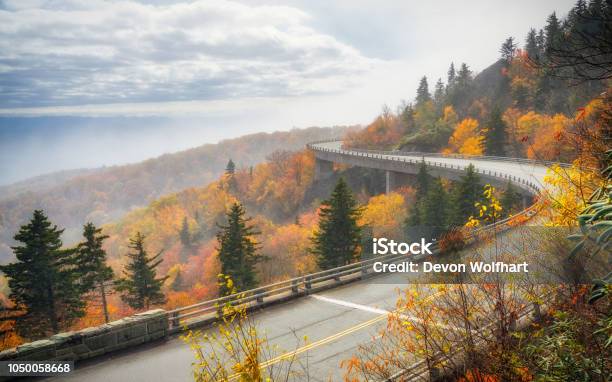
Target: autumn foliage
[
  {"x": 385, "y": 214},
  {"x": 188, "y": 199},
  {"x": 466, "y": 139},
  {"x": 384, "y": 132},
  {"x": 272, "y": 192}
]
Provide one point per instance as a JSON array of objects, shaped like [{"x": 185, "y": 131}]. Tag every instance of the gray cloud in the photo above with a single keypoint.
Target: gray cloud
[{"x": 90, "y": 51}]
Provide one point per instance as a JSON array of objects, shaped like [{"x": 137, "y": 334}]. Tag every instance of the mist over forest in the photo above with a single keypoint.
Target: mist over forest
[
  {"x": 38, "y": 145},
  {"x": 151, "y": 168},
  {"x": 102, "y": 195}
]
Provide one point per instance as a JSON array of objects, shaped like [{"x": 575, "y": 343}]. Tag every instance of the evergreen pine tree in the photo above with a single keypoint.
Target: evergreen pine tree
[
  {"x": 91, "y": 264},
  {"x": 423, "y": 92},
  {"x": 465, "y": 195},
  {"x": 413, "y": 219},
  {"x": 581, "y": 8},
  {"x": 439, "y": 93},
  {"x": 531, "y": 46},
  {"x": 510, "y": 199},
  {"x": 552, "y": 33},
  {"x": 464, "y": 77},
  {"x": 434, "y": 209},
  {"x": 541, "y": 41},
  {"x": 337, "y": 240},
  {"x": 177, "y": 283},
  {"x": 408, "y": 116},
  {"x": 495, "y": 139},
  {"x": 508, "y": 50},
  {"x": 238, "y": 250},
  {"x": 451, "y": 75},
  {"x": 43, "y": 280},
  {"x": 542, "y": 94},
  {"x": 230, "y": 169},
  {"x": 140, "y": 288},
  {"x": 458, "y": 95},
  {"x": 595, "y": 8},
  {"x": 423, "y": 179},
  {"x": 185, "y": 234}
]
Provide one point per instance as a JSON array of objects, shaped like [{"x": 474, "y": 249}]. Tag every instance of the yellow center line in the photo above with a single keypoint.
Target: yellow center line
[
  {"x": 329, "y": 339},
  {"x": 315, "y": 344},
  {"x": 324, "y": 341}
]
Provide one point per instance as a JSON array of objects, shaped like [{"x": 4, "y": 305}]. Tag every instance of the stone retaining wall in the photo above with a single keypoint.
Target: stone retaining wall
[{"x": 92, "y": 342}]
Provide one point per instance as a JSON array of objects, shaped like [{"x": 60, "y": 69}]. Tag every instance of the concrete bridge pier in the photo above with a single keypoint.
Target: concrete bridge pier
[
  {"x": 323, "y": 169},
  {"x": 526, "y": 199},
  {"x": 390, "y": 181},
  {"x": 394, "y": 180}
]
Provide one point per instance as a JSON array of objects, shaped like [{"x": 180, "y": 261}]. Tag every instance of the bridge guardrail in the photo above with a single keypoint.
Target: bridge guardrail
[
  {"x": 303, "y": 285},
  {"x": 429, "y": 154},
  {"x": 528, "y": 185}
]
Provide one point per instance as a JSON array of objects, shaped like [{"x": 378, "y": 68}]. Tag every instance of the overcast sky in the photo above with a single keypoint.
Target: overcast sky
[{"x": 212, "y": 69}]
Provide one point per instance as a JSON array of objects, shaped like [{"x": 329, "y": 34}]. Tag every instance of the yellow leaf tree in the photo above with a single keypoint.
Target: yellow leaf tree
[
  {"x": 385, "y": 214},
  {"x": 466, "y": 139}
]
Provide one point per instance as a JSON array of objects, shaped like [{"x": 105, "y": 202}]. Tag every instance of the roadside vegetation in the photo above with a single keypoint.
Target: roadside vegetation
[{"x": 549, "y": 100}]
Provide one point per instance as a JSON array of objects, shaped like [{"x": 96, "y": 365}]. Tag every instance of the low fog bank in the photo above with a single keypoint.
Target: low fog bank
[{"x": 33, "y": 146}]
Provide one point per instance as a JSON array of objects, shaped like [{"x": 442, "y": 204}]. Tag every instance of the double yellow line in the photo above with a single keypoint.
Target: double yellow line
[
  {"x": 324, "y": 341},
  {"x": 327, "y": 340},
  {"x": 315, "y": 344}
]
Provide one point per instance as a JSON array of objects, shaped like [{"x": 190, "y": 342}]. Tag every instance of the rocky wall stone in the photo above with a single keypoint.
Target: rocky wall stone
[{"x": 92, "y": 342}]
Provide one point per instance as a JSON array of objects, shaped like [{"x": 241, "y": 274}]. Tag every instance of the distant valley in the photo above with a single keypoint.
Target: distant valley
[{"x": 103, "y": 195}]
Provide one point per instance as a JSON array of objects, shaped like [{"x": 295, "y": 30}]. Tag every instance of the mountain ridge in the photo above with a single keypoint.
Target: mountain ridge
[{"x": 106, "y": 194}]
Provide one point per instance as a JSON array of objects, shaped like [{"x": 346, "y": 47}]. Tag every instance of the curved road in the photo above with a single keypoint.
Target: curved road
[
  {"x": 496, "y": 168},
  {"x": 336, "y": 321}
]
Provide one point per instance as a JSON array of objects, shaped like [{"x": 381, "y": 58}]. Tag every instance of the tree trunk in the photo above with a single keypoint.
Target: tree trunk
[{"x": 104, "y": 304}]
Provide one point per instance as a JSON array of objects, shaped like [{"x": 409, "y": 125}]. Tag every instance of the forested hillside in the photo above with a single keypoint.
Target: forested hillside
[
  {"x": 523, "y": 105},
  {"x": 281, "y": 197},
  {"x": 104, "y": 195},
  {"x": 44, "y": 182},
  {"x": 250, "y": 208},
  {"x": 516, "y": 107}
]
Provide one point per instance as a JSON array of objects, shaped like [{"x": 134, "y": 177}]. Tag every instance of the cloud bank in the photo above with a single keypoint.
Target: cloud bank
[{"x": 74, "y": 52}]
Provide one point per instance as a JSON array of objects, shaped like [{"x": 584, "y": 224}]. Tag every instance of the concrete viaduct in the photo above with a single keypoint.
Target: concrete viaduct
[
  {"x": 525, "y": 174},
  {"x": 337, "y": 316}
]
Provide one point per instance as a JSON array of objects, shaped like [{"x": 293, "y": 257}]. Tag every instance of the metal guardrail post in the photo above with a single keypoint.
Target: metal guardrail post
[
  {"x": 219, "y": 310},
  {"x": 294, "y": 287},
  {"x": 174, "y": 321},
  {"x": 307, "y": 283},
  {"x": 364, "y": 270}
]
